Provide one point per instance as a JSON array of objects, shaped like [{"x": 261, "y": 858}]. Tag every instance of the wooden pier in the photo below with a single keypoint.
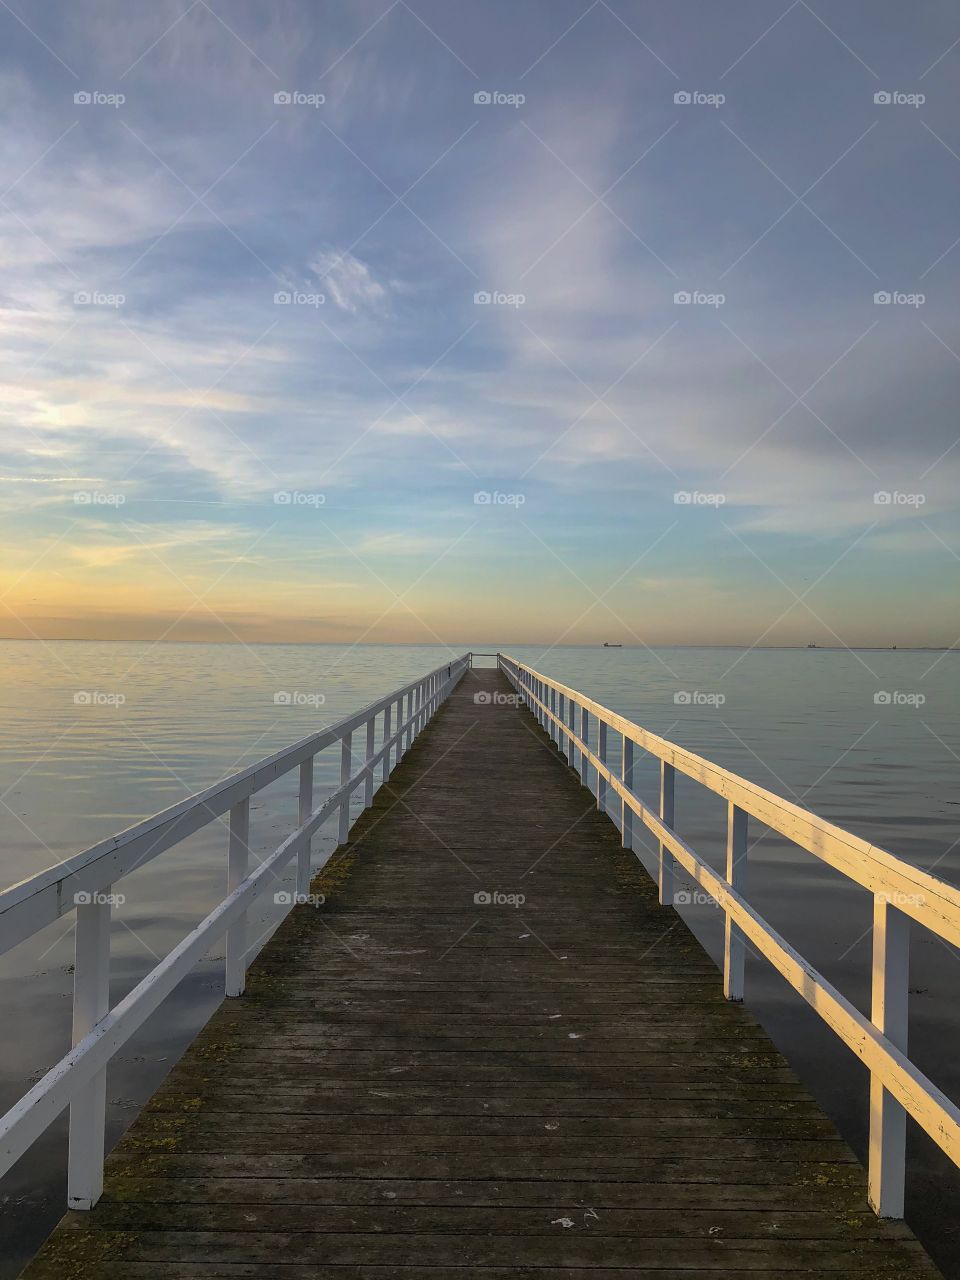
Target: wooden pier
[{"x": 427, "y": 1077}]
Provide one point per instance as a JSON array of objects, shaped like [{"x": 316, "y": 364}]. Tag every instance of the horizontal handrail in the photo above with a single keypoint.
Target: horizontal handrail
[
  {"x": 898, "y": 1087},
  {"x": 78, "y": 1079},
  {"x": 930, "y": 901},
  {"x": 41, "y": 899}
]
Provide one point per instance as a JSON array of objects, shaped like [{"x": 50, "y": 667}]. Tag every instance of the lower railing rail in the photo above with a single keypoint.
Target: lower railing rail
[
  {"x": 900, "y": 891},
  {"x": 83, "y": 883}
]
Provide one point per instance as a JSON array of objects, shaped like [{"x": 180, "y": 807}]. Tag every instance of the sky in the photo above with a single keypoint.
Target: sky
[{"x": 551, "y": 321}]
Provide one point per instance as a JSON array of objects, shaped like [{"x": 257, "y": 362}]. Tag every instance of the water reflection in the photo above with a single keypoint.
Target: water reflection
[{"x": 100, "y": 735}]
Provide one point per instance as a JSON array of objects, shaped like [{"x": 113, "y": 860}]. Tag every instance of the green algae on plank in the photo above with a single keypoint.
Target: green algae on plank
[
  {"x": 79, "y": 1252},
  {"x": 196, "y": 1181}
]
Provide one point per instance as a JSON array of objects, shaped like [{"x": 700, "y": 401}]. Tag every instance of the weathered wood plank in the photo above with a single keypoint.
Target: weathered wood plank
[{"x": 419, "y": 1083}]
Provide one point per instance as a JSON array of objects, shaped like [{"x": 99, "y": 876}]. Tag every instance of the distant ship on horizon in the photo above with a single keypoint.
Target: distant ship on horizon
[{"x": 608, "y": 645}]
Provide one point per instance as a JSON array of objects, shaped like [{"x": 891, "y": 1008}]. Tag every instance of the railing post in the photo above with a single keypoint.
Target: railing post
[
  {"x": 573, "y": 729},
  {"x": 399, "y": 744},
  {"x": 346, "y": 765},
  {"x": 891, "y": 968},
  {"x": 237, "y": 855},
  {"x": 91, "y": 1001},
  {"x": 602, "y": 756},
  {"x": 305, "y": 808},
  {"x": 734, "y": 951},
  {"x": 553, "y": 712},
  {"x": 368, "y": 780},
  {"x": 667, "y": 788},
  {"x": 585, "y": 739},
  {"x": 408, "y": 736},
  {"x": 626, "y": 775},
  {"x": 562, "y": 740},
  {"x": 385, "y": 763}
]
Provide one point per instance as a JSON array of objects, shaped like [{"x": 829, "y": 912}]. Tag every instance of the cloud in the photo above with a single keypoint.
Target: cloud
[
  {"x": 147, "y": 545},
  {"x": 402, "y": 544},
  {"x": 349, "y": 281},
  {"x": 597, "y": 396}
]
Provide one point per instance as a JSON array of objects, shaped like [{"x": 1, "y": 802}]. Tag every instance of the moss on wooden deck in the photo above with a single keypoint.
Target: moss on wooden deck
[{"x": 421, "y": 1085}]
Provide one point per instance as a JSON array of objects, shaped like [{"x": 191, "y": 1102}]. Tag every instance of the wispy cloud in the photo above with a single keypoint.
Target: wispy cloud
[{"x": 346, "y": 163}]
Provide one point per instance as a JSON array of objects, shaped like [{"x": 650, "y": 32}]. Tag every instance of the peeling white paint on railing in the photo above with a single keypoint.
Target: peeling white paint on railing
[
  {"x": 82, "y": 883},
  {"x": 901, "y": 892}
]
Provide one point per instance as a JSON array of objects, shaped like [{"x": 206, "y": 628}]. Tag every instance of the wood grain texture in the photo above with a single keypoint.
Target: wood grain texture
[{"x": 417, "y": 1084}]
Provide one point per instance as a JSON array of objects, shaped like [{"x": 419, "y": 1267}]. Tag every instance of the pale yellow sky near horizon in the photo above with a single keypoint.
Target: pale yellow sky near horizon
[{"x": 143, "y": 599}]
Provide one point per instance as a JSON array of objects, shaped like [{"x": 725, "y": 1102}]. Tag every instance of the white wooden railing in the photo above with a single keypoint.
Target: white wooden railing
[
  {"x": 900, "y": 893},
  {"x": 83, "y": 883}
]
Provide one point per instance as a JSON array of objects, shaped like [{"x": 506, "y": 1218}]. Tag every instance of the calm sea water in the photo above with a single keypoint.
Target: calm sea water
[{"x": 97, "y": 736}]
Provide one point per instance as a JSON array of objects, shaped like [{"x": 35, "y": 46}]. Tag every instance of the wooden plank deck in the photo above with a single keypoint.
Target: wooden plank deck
[{"x": 417, "y": 1085}]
